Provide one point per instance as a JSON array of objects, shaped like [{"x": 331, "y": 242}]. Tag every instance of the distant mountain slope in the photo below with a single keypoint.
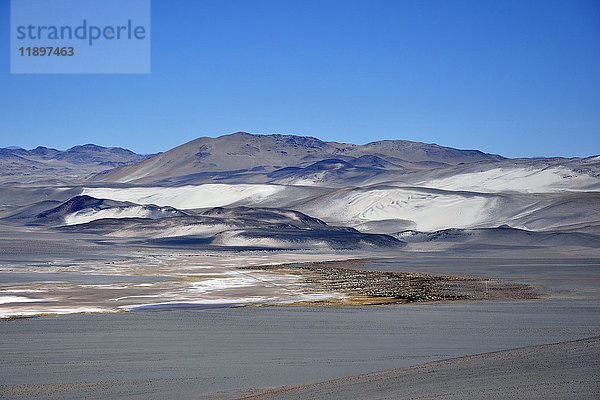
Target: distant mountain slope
[
  {"x": 244, "y": 153},
  {"x": 381, "y": 187},
  {"x": 45, "y": 164}
]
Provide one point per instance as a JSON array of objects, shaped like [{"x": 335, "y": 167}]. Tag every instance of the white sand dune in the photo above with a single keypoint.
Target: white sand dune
[
  {"x": 429, "y": 211},
  {"x": 507, "y": 195},
  {"x": 524, "y": 180},
  {"x": 189, "y": 196},
  {"x": 87, "y": 215}
]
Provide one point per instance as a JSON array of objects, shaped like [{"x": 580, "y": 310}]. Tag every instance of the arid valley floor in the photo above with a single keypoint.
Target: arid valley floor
[{"x": 268, "y": 267}]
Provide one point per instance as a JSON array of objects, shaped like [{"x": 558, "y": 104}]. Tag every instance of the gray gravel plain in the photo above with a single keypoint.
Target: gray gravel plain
[
  {"x": 568, "y": 370},
  {"x": 188, "y": 354}
]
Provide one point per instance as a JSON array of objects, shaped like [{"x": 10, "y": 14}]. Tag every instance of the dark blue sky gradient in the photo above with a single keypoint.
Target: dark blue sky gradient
[{"x": 518, "y": 78}]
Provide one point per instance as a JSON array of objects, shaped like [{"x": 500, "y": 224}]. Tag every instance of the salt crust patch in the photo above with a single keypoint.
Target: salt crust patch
[
  {"x": 247, "y": 300},
  {"x": 58, "y": 310},
  {"x": 23, "y": 291},
  {"x": 17, "y": 299}
]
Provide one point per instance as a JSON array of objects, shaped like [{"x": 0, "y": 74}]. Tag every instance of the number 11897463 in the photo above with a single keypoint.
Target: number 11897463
[{"x": 47, "y": 51}]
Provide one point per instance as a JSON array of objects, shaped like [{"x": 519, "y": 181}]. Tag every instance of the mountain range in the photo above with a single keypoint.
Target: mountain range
[
  {"x": 44, "y": 164},
  {"x": 244, "y": 157},
  {"x": 244, "y": 189}
]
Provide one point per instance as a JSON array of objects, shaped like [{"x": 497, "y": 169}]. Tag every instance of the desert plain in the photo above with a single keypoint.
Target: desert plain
[{"x": 278, "y": 266}]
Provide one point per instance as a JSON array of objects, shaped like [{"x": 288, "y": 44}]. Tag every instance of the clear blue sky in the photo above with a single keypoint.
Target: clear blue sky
[{"x": 518, "y": 78}]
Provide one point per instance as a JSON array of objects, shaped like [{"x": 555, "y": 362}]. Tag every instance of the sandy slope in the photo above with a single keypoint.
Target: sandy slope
[
  {"x": 568, "y": 370},
  {"x": 199, "y": 196},
  {"x": 81, "y": 217},
  {"x": 418, "y": 208},
  {"x": 427, "y": 209},
  {"x": 527, "y": 180}
]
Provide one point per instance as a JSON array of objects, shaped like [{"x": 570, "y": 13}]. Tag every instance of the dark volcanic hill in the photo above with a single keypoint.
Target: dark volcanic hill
[
  {"x": 240, "y": 227},
  {"x": 244, "y": 153}
]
